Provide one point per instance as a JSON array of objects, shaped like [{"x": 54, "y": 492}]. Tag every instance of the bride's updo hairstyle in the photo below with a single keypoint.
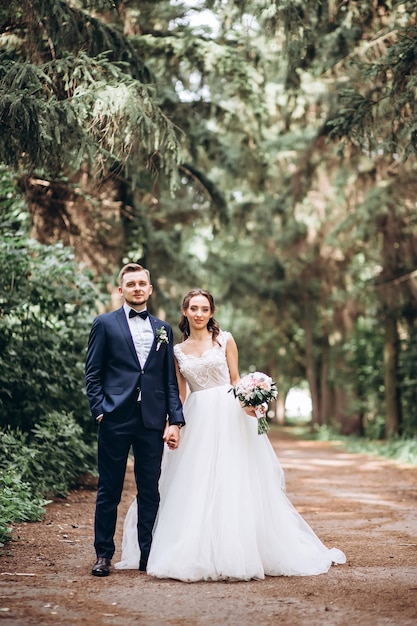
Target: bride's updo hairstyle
[{"x": 212, "y": 324}]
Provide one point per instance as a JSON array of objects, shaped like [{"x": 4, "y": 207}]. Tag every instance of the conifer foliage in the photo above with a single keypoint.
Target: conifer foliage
[
  {"x": 284, "y": 129},
  {"x": 73, "y": 91}
]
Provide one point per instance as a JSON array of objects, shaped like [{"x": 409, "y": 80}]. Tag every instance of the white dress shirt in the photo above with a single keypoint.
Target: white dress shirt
[{"x": 142, "y": 334}]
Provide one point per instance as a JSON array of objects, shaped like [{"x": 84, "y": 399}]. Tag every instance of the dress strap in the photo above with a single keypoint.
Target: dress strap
[{"x": 224, "y": 337}]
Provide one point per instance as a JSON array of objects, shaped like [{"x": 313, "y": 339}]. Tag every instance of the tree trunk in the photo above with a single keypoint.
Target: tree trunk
[
  {"x": 280, "y": 408},
  {"x": 325, "y": 391},
  {"x": 393, "y": 408},
  {"x": 311, "y": 370}
]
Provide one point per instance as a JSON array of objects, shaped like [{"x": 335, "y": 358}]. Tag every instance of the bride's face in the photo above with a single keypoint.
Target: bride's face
[{"x": 198, "y": 312}]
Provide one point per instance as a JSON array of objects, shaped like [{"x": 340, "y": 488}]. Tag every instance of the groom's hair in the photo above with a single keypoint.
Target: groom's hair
[{"x": 132, "y": 267}]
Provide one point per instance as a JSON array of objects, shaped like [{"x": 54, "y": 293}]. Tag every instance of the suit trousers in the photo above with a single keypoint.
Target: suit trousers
[{"x": 114, "y": 443}]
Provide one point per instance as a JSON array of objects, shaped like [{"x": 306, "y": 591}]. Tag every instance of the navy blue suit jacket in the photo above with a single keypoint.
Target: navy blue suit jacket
[{"x": 114, "y": 375}]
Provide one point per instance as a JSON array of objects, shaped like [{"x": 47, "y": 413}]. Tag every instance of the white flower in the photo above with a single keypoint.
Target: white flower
[{"x": 161, "y": 337}]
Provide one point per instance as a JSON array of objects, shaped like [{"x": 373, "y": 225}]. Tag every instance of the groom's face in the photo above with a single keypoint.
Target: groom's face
[{"x": 136, "y": 289}]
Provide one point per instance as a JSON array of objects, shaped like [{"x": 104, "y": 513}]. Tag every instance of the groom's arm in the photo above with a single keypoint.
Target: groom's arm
[
  {"x": 93, "y": 368},
  {"x": 175, "y": 414}
]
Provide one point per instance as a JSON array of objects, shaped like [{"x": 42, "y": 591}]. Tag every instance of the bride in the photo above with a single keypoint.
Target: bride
[{"x": 223, "y": 513}]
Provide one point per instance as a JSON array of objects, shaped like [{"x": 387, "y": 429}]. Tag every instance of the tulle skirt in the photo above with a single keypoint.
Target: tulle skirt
[{"x": 223, "y": 513}]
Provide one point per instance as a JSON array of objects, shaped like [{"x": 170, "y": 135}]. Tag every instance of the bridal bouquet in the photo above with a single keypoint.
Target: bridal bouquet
[{"x": 256, "y": 389}]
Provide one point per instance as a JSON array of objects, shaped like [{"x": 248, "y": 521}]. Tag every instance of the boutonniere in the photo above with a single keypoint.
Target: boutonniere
[{"x": 161, "y": 337}]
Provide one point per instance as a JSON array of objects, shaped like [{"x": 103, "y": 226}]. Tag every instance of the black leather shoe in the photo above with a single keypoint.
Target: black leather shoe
[
  {"x": 101, "y": 567},
  {"x": 142, "y": 565}
]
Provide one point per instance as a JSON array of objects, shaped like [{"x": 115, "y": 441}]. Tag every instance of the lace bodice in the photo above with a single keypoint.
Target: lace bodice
[{"x": 209, "y": 370}]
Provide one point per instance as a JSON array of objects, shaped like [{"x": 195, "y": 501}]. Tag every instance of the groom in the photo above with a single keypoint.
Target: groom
[{"x": 131, "y": 389}]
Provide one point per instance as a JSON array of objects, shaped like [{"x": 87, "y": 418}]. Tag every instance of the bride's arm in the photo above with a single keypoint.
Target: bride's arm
[
  {"x": 171, "y": 432},
  {"x": 232, "y": 358},
  {"x": 182, "y": 385}
]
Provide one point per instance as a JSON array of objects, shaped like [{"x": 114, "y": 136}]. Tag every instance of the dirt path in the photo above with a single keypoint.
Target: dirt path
[{"x": 363, "y": 505}]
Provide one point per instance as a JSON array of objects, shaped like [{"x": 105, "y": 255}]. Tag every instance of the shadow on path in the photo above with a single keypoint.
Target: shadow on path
[{"x": 364, "y": 505}]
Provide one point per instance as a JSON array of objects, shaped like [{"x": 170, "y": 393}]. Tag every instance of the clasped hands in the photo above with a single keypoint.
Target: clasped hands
[{"x": 171, "y": 436}]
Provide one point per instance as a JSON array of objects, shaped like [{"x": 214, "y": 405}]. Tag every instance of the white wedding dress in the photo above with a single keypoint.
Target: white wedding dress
[{"x": 223, "y": 513}]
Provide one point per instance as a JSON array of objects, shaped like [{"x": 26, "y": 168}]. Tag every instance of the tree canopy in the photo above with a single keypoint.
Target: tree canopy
[{"x": 263, "y": 150}]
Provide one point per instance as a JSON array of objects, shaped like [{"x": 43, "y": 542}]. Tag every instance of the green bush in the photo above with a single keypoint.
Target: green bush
[
  {"x": 47, "y": 302},
  {"x": 17, "y": 503},
  {"x": 51, "y": 457},
  {"x": 61, "y": 455},
  {"x": 15, "y": 453},
  {"x": 46, "y": 305},
  {"x": 46, "y": 462},
  {"x": 397, "y": 448}
]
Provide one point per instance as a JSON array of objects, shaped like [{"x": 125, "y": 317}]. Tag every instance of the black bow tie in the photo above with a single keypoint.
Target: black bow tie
[{"x": 142, "y": 314}]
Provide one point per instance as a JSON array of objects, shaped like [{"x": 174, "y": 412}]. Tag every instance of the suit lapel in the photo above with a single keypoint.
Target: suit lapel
[
  {"x": 124, "y": 327},
  {"x": 153, "y": 321}
]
